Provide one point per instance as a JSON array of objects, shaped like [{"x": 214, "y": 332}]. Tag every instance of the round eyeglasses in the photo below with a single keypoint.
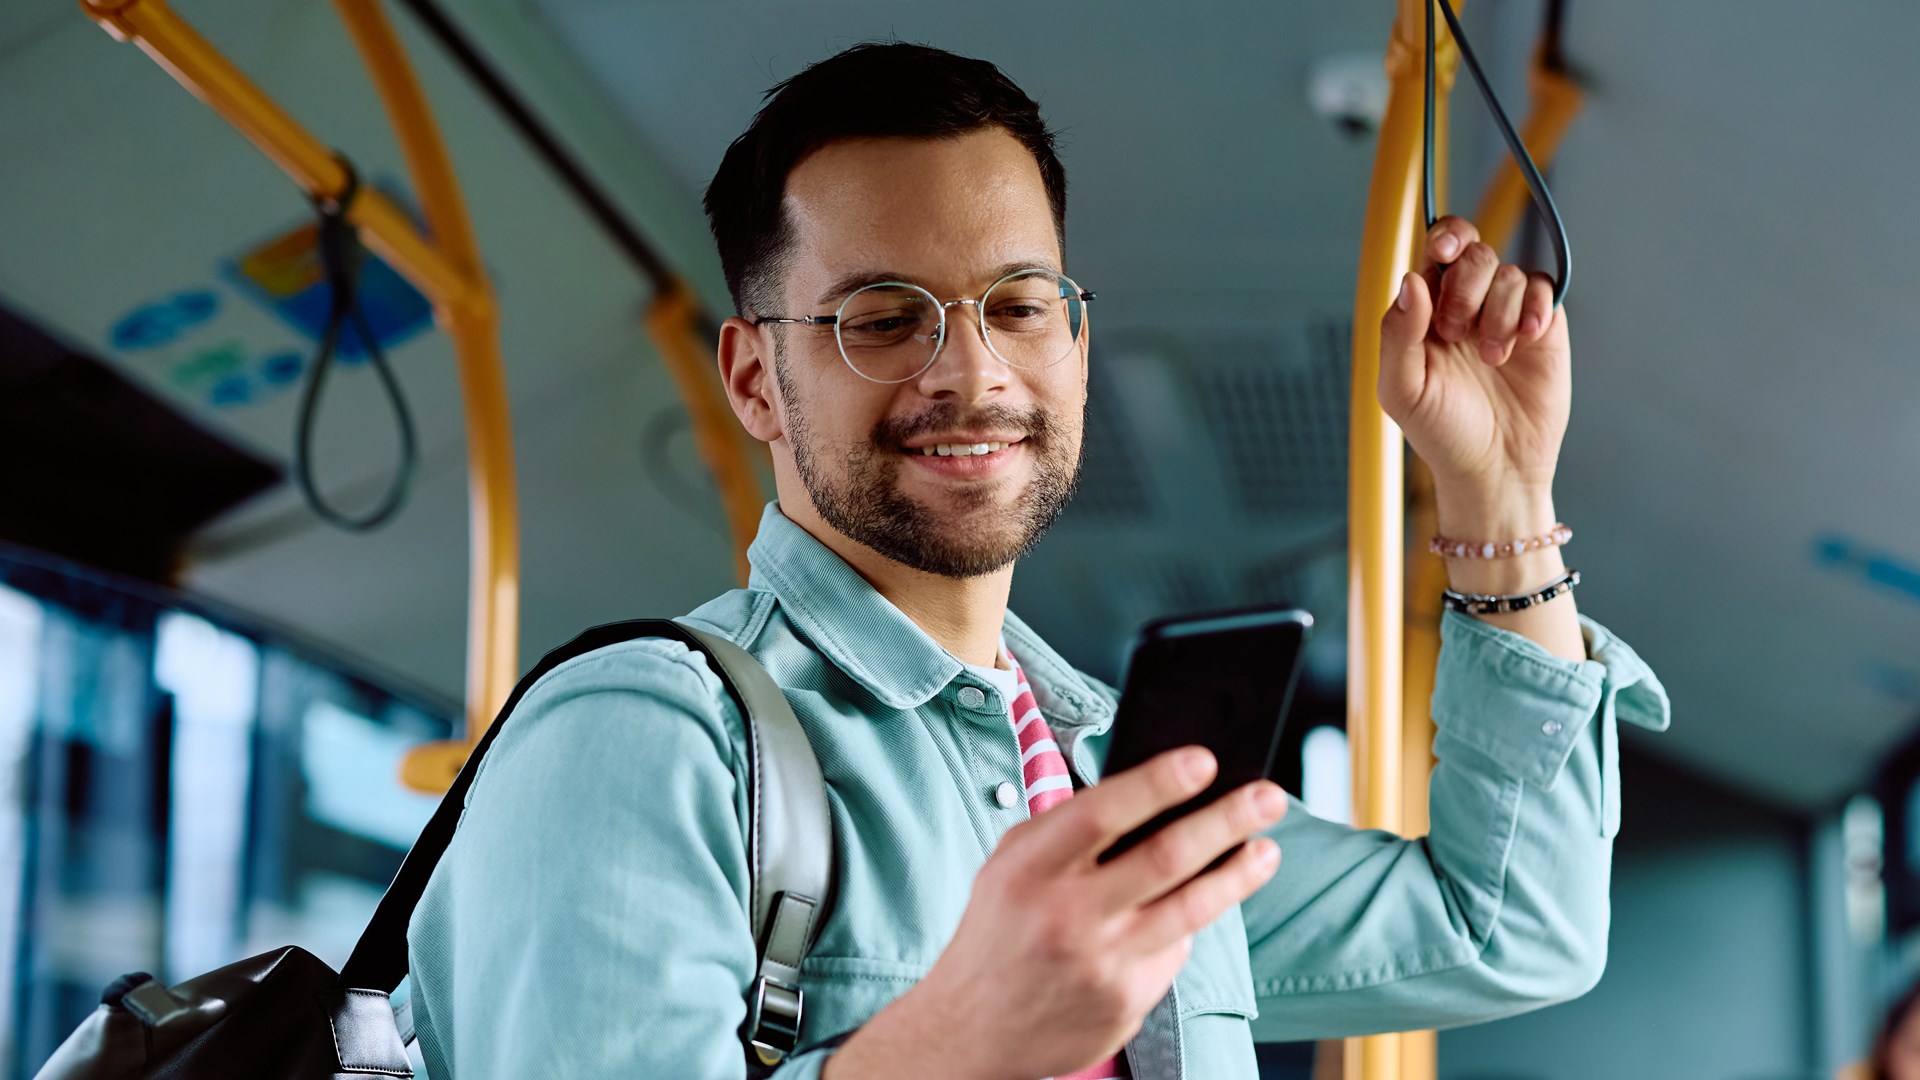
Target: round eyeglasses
[{"x": 892, "y": 331}]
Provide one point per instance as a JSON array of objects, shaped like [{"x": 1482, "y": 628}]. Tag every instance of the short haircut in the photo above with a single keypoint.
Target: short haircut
[{"x": 873, "y": 89}]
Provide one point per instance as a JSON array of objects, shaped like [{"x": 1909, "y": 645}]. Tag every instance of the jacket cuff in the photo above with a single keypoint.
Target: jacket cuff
[{"x": 1505, "y": 697}]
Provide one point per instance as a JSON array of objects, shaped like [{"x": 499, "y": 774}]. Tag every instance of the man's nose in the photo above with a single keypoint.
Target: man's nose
[{"x": 965, "y": 369}]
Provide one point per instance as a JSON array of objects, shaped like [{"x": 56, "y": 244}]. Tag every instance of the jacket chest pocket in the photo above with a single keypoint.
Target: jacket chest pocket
[
  {"x": 1215, "y": 992},
  {"x": 1218, "y": 978},
  {"x": 843, "y": 992}
]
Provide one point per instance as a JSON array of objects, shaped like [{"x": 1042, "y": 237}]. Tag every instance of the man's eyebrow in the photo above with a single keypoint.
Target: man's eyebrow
[{"x": 860, "y": 279}]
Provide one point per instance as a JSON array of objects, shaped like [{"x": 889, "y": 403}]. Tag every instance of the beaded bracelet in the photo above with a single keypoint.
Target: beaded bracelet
[
  {"x": 1480, "y": 604},
  {"x": 1461, "y": 549}
]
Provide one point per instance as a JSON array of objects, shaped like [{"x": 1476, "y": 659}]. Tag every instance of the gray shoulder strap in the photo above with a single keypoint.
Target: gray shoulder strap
[{"x": 789, "y": 847}]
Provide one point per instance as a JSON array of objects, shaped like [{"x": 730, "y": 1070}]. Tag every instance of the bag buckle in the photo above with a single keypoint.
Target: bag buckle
[{"x": 773, "y": 1020}]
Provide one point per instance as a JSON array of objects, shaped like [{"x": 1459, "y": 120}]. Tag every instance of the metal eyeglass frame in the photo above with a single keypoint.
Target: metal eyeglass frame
[{"x": 1072, "y": 289}]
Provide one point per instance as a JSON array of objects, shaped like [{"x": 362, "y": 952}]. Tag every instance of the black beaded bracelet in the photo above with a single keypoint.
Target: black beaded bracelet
[{"x": 1478, "y": 604}]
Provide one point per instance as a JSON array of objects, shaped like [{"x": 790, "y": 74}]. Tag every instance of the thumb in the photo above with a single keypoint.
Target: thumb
[{"x": 1403, "y": 350}]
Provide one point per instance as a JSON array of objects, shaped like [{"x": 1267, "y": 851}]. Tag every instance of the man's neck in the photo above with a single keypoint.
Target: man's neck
[{"x": 963, "y": 614}]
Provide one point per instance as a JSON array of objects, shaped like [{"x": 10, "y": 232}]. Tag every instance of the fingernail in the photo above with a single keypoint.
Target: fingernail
[
  {"x": 1450, "y": 328},
  {"x": 1405, "y": 300},
  {"x": 1265, "y": 851},
  {"x": 1490, "y": 352},
  {"x": 1448, "y": 246},
  {"x": 1530, "y": 325}
]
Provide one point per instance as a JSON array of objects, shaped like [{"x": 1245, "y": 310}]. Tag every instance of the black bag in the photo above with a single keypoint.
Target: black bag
[{"x": 286, "y": 1014}]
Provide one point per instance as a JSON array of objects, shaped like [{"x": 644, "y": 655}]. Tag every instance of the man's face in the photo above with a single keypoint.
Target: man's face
[{"x": 952, "y": 216}]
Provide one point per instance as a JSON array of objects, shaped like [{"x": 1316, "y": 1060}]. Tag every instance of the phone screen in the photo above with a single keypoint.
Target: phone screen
[{"x": 1222, "y": 681}]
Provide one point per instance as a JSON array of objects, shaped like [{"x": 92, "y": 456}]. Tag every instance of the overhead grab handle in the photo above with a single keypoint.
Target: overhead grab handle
[{"x": 1542, "y": 198}]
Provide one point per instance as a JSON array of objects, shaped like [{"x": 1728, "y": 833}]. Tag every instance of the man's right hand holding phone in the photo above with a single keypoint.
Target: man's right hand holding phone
[{"x": 1059, "y": 957}]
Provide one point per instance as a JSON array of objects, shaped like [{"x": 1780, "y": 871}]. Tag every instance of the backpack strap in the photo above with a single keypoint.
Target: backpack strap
[
  {"x": 789, "y": 843},
  {"x": 789, "y": 837}
]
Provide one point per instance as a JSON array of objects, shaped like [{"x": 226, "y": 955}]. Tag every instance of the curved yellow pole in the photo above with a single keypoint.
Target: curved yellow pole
[
  {"x": 209, "y": 76},
  {"x": 447, "y": 270},
  {"x": 673, "y": 322},
  {"x": 1376, "y": 491},
  {"x": 493, "y": 588}
]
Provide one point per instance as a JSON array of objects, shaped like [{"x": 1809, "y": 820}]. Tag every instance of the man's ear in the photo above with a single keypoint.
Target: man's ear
[{"x": 746, "y": 370}]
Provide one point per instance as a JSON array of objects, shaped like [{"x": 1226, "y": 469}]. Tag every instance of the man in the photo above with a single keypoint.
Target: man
[{"x": 909, "y": 346}]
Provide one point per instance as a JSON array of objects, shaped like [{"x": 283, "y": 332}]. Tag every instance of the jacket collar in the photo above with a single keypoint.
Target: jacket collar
[
  {"x": 1066, "y": 697},
  {"x": 877, "y": 646}
]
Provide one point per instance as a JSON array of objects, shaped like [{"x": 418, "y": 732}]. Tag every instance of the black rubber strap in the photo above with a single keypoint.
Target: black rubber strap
[
  {"x": 1537, "y": 184},
  {"x": 379, "y": 961}
]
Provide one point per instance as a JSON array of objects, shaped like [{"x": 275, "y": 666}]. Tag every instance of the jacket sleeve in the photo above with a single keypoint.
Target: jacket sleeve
[
  {"x": 1503, "y": 907},
  {"x": 589, "y": 920}
]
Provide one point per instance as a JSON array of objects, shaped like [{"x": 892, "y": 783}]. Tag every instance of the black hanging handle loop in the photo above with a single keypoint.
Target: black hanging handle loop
[
  {"x": 341, "y": 258},
  {"x": 1542, "y": 198}
]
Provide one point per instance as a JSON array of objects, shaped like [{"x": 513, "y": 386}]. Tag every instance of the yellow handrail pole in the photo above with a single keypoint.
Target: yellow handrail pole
[
  {"x": 1425, "y": 577},
  {"x": 673, "y": 324},
  {"x": 1425, "y": 572},
  {"x": 198, "y": 67},
  {"x": 449, "y": 275},
  {"x": 1376, "y": 495},
  {"x": 493, "y": 591}
]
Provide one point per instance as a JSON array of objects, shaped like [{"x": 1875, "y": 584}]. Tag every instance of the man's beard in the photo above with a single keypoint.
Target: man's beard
[{"x": 864, "y": 502}]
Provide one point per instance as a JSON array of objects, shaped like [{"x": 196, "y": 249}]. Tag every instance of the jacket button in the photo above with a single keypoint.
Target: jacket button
[
  {"x": 972, "y": 697},
  {"x": 1006, "y": 795}
]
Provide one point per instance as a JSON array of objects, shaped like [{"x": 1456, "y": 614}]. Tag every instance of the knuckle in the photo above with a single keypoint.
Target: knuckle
[
  {"x": 1098, "y": 823},
  {"x": 1057, "y": 935},
  {"x": 1458, "y": 308},
  {"x": 1480, "y": 257},
  {"x": 1196, "y": 908},
  {"x": 1510, "y": 276},
  {"x": 1165, "y": 856},
  {"x": 1085, "y": 971}
]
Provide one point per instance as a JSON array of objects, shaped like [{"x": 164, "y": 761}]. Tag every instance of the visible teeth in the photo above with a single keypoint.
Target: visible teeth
[{"x": 962, "y": 449}]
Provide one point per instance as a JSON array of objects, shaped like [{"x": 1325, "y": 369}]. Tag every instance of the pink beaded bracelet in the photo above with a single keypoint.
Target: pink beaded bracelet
[{"x": 1461, "y": 549}]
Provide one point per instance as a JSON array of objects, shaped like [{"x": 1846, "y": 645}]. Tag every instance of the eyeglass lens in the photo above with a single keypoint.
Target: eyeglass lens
[{"x": 890, "y": 333}]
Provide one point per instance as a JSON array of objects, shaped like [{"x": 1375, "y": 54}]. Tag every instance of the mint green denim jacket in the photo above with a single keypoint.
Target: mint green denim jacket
[{"x": 589, "y": 920}]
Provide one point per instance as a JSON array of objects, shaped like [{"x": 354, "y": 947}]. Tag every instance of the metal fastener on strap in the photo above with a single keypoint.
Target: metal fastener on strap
[{"x": 773, "y": 1021}]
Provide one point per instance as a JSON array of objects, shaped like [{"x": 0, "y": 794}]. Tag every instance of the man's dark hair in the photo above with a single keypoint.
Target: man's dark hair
[{"x": 871, "y": 90}]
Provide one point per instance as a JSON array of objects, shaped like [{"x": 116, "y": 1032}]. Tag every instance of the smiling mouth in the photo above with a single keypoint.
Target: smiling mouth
[{"x": 962, "y": 449}]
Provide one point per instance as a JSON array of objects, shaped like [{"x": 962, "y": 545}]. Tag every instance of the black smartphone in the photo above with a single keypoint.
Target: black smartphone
[{"x": 1222, "y": 681}]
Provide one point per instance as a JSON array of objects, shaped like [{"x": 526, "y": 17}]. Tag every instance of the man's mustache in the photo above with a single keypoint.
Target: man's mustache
[{"x": 1034, "y": 425}]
